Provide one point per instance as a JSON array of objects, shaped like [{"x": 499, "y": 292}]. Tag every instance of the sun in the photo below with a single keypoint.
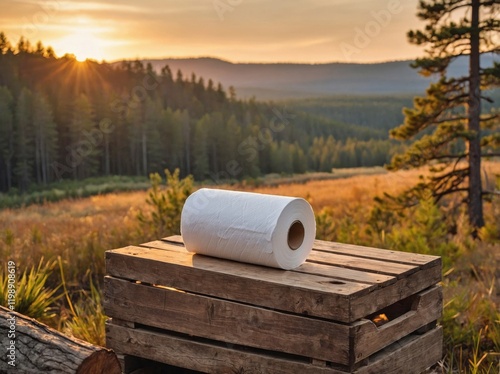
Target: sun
[{"x": 84, "y": 44}]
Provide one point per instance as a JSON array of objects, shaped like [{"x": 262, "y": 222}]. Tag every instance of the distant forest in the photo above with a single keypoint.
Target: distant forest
[{"x": 65, "y": 119}]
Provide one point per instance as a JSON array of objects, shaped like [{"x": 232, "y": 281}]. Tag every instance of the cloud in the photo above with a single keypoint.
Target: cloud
[{"x": 248, "y": 30}]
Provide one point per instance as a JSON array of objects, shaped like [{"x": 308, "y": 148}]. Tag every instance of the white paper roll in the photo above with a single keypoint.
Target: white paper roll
[{"x": 269, "y": 230}]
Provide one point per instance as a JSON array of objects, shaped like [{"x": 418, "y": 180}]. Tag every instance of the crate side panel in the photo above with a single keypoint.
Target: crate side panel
[
  {"x": 226, "y": 321},
  {"x": 410, "y": 355},
  {"x": 201, "y": 356},
  {"x": 363, "y": 304},
  {"x": 367, "y": 338}
]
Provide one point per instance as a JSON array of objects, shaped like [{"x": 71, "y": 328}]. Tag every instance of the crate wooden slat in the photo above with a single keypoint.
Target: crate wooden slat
[{"x": 410, "y": 355}]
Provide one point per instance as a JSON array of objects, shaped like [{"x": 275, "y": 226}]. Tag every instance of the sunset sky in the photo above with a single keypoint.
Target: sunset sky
[{"x": 311, "y": 31}]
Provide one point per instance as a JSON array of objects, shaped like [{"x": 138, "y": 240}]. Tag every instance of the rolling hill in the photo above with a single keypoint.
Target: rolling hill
[{"x": 275, "y": 81}]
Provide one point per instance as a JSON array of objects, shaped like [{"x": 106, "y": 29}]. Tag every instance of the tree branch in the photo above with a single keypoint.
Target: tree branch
[
  {"x": 493, "y": 116},
  {"x": 495, "y": 192},
  {"x": 440, "y": 195},
  {"x": 444, "y": 120},
  {"x": 460, "y": 156}
]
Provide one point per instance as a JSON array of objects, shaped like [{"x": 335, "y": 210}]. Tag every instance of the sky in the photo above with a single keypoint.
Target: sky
[{"x": 304, "y": 31}]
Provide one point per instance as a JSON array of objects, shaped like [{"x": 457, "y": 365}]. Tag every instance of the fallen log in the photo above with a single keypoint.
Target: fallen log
[{"x": 32, "y": 347}]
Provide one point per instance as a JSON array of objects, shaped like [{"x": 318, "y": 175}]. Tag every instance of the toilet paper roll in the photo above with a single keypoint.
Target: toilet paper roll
[{"x": 269, "y": 230}]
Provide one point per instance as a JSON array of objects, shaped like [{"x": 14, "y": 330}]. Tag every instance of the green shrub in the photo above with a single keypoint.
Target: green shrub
[
  {"x": 425, "y": 231},
  {"x": 33, "y": 297},
  {"x": 166, "y": 204}
]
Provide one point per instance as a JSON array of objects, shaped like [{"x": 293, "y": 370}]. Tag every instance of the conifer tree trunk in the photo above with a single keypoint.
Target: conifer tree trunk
[
  {"x": 474, "y": 111},
  {"x": 106, "y": 155},
  {"x": 144, "y": 151}
]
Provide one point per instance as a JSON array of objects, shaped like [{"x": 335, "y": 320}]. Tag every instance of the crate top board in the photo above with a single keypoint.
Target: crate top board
[{"x": 340, "y": 282}]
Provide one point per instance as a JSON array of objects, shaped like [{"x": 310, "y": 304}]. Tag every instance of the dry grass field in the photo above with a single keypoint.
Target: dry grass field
[
  {"x": 79, "y": 231},
  {"x": 356, "y": 189}
]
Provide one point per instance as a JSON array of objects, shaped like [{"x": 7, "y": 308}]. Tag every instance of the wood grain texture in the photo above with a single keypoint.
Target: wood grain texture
[
  {"x": 235, "y": 312},
  {"x": 407, "y": 258},
  {"x": 358, "y": 251},
  {"x": 410, "y": 355},
  {"x": 340, "y": 273},
  {"x": 256, "y": 285},
  {"x": 202, "y": 356},
  {"x": 411, "y": 273},
  {"x": 226, "y": 321},
  {"x": 367, "y": 338},
  {"x": 41, "y": 349},
  {"x": 383, "y": 296}
]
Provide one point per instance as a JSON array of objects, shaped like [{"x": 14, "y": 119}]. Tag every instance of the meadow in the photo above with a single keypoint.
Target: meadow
[{"x": 62, "y": 243}]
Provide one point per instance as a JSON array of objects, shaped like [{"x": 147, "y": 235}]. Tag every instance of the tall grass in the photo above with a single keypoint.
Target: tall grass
[{"x": 33, "y": 297}]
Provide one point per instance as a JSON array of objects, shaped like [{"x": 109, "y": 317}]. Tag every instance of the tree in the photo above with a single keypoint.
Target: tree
[
  {"x": 200, "y": 147},
  {"x": 4, "y": 44},
  {"x": 24, "y": 139},
  {"x": 45, "y": 134},
  {"x": 164, "y": 217},
  {"x": 85, "y": 139},
  {"x": 456, "y": 134},
  {"x": 6, "y": 137}
]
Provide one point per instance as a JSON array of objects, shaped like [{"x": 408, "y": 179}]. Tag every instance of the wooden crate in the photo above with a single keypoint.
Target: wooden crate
[{"x": 220, "y": 316}]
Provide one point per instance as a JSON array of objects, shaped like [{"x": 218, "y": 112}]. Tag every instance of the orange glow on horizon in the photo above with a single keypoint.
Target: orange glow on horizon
[{"x": 83, "y": 41}]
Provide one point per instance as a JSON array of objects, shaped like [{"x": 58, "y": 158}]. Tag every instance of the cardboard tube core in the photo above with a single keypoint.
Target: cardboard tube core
[{"x": 296, "y": 234}]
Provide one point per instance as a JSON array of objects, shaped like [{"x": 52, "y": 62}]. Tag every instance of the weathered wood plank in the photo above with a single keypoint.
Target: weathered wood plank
[
  {"x": 166, "y": 245},
  {"x": 411, "y": 355},
  {"x": 328, "y": 270},
  {"x": 283, "y": 290},
  {"x": 368, "y": 300},
  {"x": 368, "y": 338},
  {"x": 382, "y": 297},
  {"x": 420, "y": 260},
  {"x": 226, "y": 321},
  {"x": 240, "y": 270},
  {"x": 350, "y": 275},
  {"x": 359, "y": 251},
  {"x": 201, "y": 356},
  {"x": 363, "y": 264}
]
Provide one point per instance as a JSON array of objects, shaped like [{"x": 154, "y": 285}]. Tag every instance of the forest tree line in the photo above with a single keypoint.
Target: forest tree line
[{"x": 64, "y": 119}]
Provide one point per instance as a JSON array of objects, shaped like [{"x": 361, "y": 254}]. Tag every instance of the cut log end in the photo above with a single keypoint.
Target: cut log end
[
  {"x": 41, "y": 349},
  {"x": 103, "y": 361}
]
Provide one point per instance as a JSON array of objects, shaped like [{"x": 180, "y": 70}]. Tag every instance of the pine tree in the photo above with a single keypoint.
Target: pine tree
[
  {"x": 6, "y": 137},
  {"x": 137, "y": 137},
  {"x": 45, "y": 133},
  {"x": 154, "y": 149},
  {"x": 4, "y": 44},
  {"x": 200, "y": 148},
  {"x": 24, "y": 139},
  {"x": 86, "y": 140},
  {"x": 455, "y": 131}
]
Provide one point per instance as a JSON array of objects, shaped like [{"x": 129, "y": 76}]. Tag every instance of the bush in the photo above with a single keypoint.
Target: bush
[
  {"x": 33, "y": 298},
  {"x": 164, "y": 218}
]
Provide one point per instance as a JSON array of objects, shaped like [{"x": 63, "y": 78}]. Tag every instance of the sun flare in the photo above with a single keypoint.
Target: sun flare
[{"x": 84, "y": 44}]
